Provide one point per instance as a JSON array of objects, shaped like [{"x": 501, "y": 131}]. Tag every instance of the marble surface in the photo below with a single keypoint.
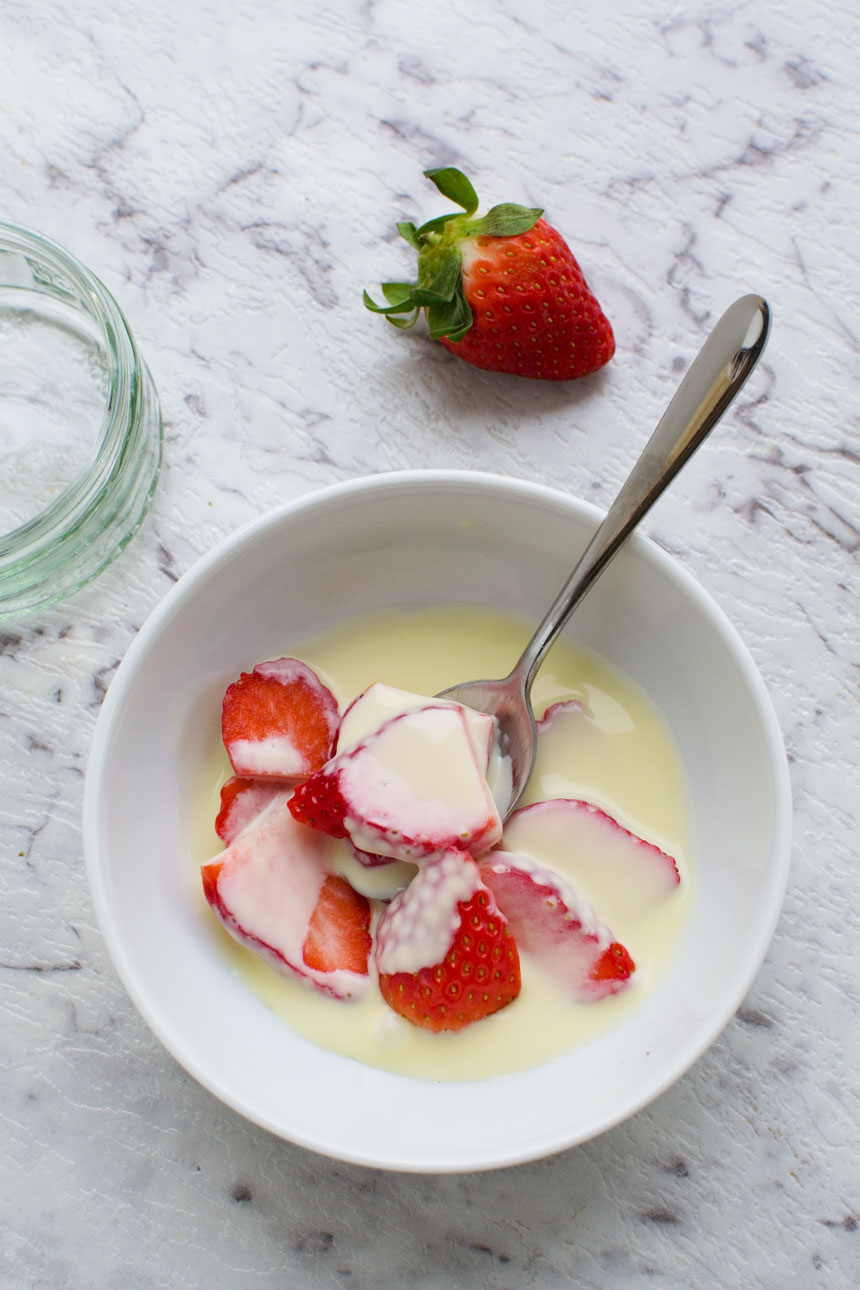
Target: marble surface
[{"x": 233, "y": 171}]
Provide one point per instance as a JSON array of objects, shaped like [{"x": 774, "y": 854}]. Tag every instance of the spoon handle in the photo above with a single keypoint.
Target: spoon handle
[{"x": 715, "y": 376}]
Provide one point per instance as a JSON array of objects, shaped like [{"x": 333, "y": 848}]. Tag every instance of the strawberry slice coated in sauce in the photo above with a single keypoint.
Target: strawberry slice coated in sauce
[
  {"x": 411, "y": 788},
  {"x": 274, "y": 891},
  {"x": 553, "y": 921},
  {"x": 619, "y": 871},
  {"x": 445, "y": 955},
  {"x": 242, "y": 800}
]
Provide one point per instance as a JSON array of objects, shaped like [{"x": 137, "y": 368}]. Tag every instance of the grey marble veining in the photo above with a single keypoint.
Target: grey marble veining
[{"x": 234, "y": 173}]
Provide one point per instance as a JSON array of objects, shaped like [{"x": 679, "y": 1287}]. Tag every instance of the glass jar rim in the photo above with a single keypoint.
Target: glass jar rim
[{"x": 96, "y": 497}]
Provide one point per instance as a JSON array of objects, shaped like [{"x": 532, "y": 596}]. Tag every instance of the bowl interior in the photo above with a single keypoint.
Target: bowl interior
[{"x": 409, "y": 540}]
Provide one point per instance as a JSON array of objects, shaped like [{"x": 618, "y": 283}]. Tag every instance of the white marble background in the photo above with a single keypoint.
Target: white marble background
[{"x": 233, "y": 171}]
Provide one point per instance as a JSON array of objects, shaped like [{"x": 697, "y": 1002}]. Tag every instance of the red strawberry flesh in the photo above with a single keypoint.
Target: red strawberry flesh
[
  {"x": 242, "y": 801},
  {"x": 445, "y": 956},
  {"x": 209, "y": 874},
  {"x": 614, "y": 964},
  {"x": 319, "y": 803},
  {"x": 339, "y": 932},
  {"x": 279, "y": 720},
  {"x": 533, "y": 312}
]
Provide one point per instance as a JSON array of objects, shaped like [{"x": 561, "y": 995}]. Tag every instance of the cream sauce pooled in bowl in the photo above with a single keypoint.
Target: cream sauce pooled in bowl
[{"x": 607, "y": 745}]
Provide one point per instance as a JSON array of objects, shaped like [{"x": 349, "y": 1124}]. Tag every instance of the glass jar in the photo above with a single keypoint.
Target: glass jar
[{"x": 80, "y": 425}]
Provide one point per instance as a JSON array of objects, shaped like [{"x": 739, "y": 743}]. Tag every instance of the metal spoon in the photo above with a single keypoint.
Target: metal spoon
[{"x": 715, "y": 376}]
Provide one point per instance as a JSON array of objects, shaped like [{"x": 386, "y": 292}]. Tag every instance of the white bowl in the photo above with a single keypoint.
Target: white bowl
[{"x": 411, "y": 539}]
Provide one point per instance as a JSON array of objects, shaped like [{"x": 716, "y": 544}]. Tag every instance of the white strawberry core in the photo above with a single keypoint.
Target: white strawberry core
[
  {"x": 418, "y": 927},
  {"x": 276, "y": 755},
  {"x": 414, "y": 787}
]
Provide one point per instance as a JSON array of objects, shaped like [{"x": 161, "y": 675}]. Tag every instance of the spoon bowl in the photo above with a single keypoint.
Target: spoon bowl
[{"x": 714, "y": 378}]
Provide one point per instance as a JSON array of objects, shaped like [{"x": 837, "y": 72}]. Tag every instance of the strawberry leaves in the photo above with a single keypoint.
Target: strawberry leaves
[
  {"x": 506, "y": 220},
  {"x": 399, "y": 297},
  {"x": 454, "y": 185},
  {"x": 439, "y": 288}
]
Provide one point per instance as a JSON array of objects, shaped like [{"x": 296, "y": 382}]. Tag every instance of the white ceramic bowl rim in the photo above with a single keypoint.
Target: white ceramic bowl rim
[{"x": 499, "y": 1153}]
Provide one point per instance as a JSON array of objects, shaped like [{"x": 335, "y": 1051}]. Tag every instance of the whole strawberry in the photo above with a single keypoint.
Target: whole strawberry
[{"x": 502, "y": 291}]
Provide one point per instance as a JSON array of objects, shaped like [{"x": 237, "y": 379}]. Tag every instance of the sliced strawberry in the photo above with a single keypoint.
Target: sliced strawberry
[
  {"x": 620, "y": 872},
  {"x": 408, "y": 790},
  {"x": 445, "y": 956},
  {"x": 279, "y": 720},
  {"x": 242, "y": 800},
  {"x": 320, "y": 804},
  {"x": 339, "y": 932},
  {"x": 614, "y": 964},
  {"x": 209, "y": 873},
  {"x": 271, "y": 890},
  {"x": 553, "y": 921},
  {"x": 379, "y": 703}
]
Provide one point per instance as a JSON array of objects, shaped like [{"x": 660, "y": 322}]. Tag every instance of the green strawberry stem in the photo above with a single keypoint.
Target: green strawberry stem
[{"x": 439, "y": 288}]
